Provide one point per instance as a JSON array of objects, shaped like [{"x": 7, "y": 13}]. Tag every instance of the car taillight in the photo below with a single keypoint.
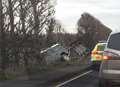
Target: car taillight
[
  {"x": 106, "y": 57},
  {"x": 109, "y": 55}
]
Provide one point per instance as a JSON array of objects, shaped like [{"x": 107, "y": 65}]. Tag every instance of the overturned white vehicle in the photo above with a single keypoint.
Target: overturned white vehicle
[{"x": 55, "y": 53}]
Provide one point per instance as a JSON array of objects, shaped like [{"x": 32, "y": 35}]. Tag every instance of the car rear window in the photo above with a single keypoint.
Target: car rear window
[
  {"x": 114, "y": 41},
  {"x": 101, "y": 47}
]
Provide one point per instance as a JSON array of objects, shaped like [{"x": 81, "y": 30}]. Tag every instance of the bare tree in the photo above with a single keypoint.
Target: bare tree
[
  {"x": 4, "y": 59},
  {"x": 42, "y": 11},
  {"x": 22, "y": 23},
  {"x": 53, "y": 32},
  {"x": 36, "y": 15},
  {"x": 10, "y": 9},
  {"x": 91, "y": 30},
  {"x": 22, "y": 18},
  {"x": 50, "y": 33}
]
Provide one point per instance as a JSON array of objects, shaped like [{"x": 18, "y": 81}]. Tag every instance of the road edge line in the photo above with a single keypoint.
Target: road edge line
[{"x": 74, "y": 78}]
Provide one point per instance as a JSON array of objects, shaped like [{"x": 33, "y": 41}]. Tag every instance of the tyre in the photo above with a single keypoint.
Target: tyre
[
  {"x": 102, "y": 83},
  {"x": 95, "y": 66}
]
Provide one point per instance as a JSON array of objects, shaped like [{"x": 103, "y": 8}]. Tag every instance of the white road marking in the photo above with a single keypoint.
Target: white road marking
[{"x": 81, "y": 75}]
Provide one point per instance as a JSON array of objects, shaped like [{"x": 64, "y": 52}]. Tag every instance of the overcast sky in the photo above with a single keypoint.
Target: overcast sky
[{"x": 107, "y": 11}]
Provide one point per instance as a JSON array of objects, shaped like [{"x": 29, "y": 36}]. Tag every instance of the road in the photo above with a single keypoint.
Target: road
[
  {"x": 85, "y": 79},
  {"x": 88, "y": 79}
]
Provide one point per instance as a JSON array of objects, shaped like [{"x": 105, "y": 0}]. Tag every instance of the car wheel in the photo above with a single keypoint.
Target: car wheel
[
  {"x": 102, "y": 83},
  {"x": 95, "y": 66}
]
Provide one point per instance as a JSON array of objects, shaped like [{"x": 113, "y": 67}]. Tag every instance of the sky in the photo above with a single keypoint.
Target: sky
[{"x": 107, "y": 11}]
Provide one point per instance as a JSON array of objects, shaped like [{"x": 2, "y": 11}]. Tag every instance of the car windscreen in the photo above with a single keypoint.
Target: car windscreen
[{"x": 114, "y": 41}]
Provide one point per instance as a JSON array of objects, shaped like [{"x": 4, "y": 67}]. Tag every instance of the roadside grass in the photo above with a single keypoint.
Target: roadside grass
[
  {"x": 37, "y": 68},
  {"x": 9, "y": 76}
]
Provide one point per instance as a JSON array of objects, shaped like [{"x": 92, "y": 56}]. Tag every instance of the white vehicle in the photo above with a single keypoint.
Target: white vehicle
[
  {"x": 55, "y": 53},
  {"x": 109, "y": 73}
]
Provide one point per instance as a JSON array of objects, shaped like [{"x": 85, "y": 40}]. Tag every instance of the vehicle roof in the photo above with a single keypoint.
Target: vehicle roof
[
  {"x": 53, "y": 46},
  {"x": 101, "y": 43},
  {"x": 115, "y": 32}
]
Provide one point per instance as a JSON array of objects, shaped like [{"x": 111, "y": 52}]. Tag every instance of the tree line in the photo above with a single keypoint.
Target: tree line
[
  {"x": 22, "y": 24},
  {"x": 27, "y": 27}
]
